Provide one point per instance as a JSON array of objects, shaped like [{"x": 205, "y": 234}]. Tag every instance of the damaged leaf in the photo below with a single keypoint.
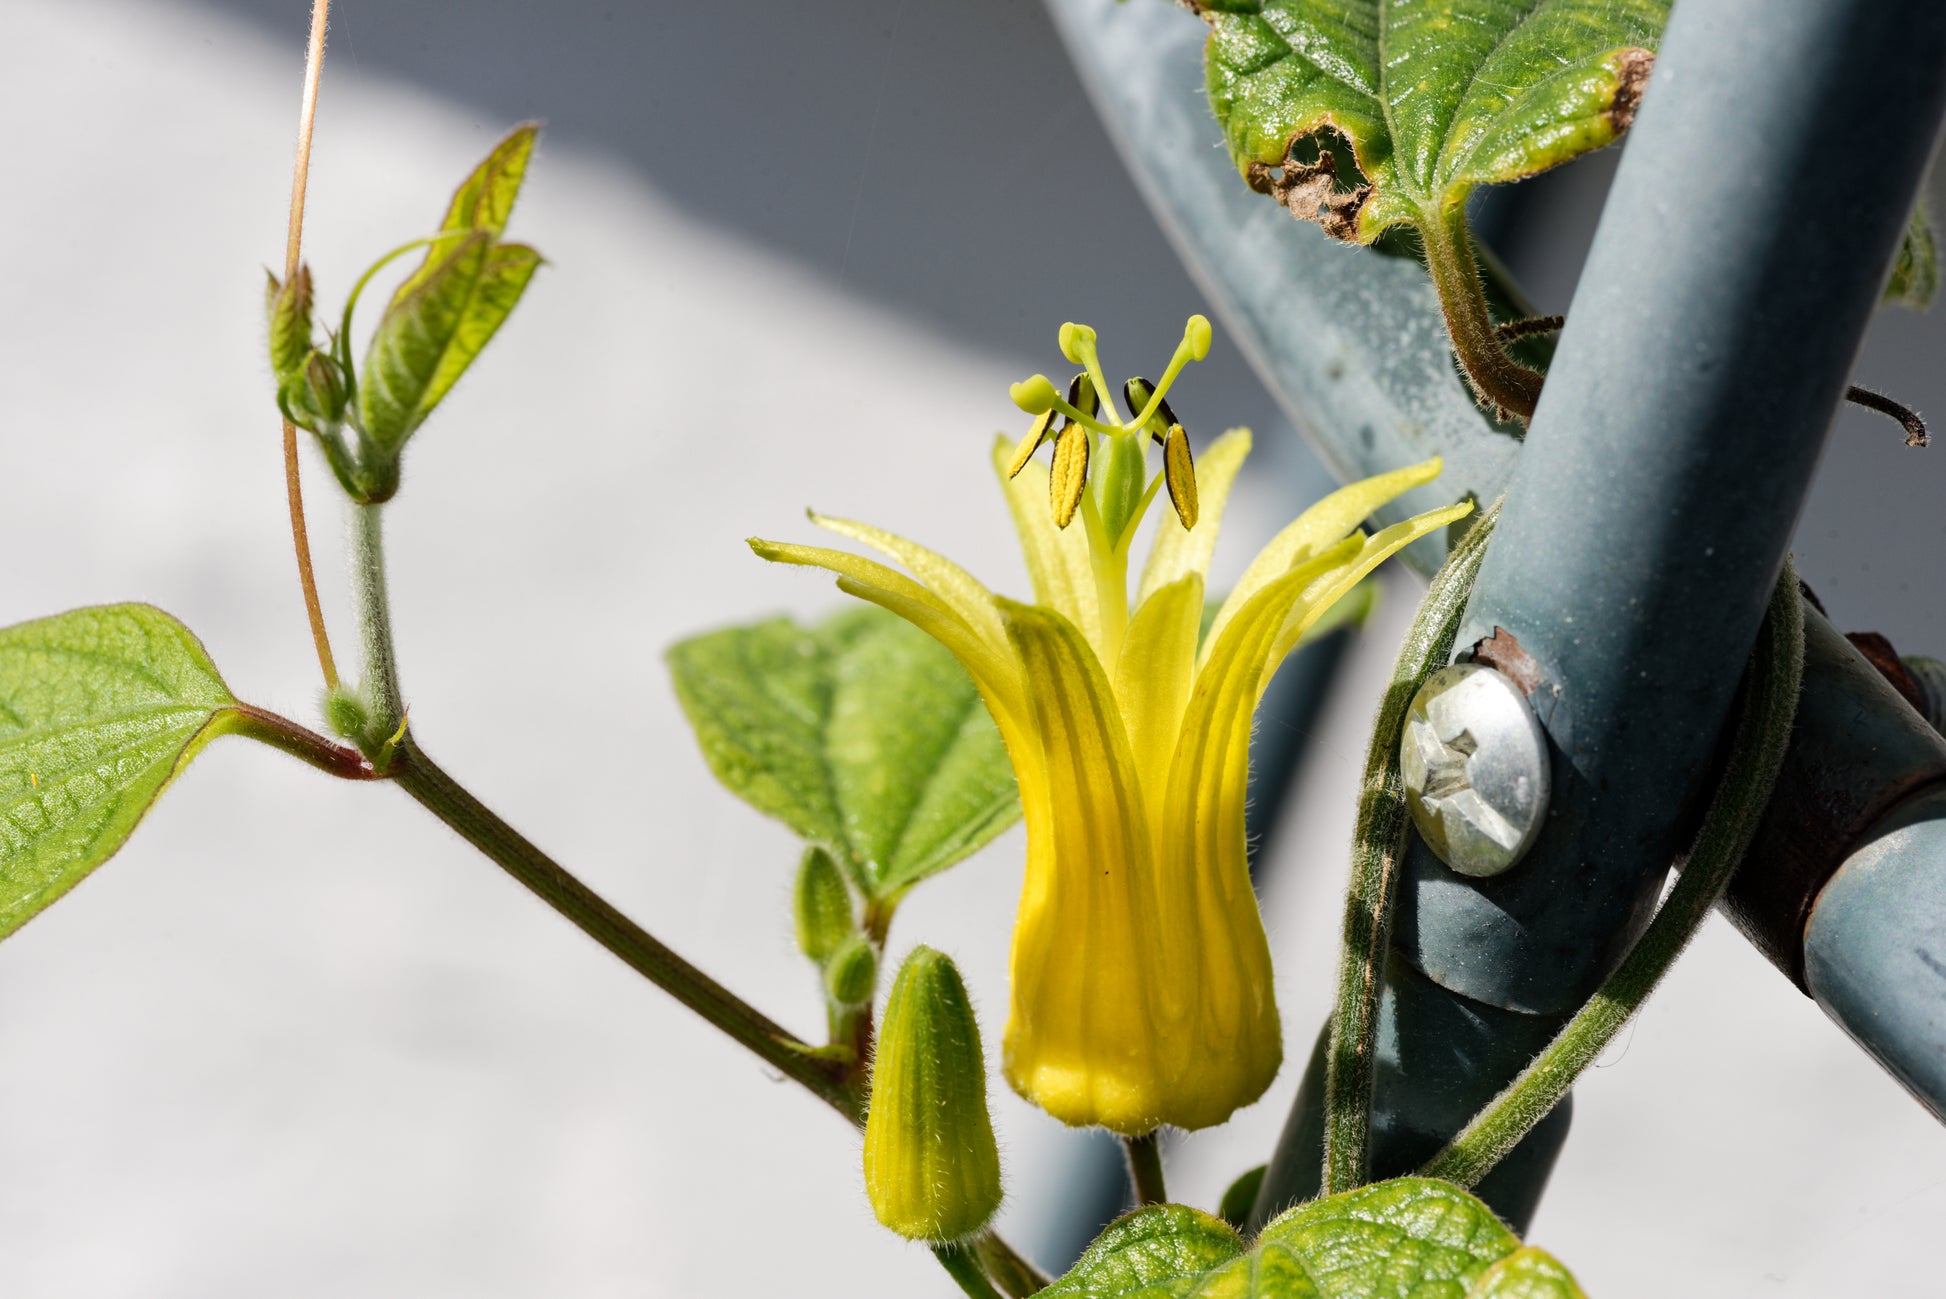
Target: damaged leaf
[{"x": 1433, "y": 96}]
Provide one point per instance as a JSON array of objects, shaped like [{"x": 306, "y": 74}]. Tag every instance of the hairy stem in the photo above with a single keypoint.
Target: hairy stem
[
  {"x": 1377, "y": 845},
  {"x": 1763, "y": 732},
  {"x": 444, "y": 797},
  {"x": 262, "y": 725},
  {"x": 293, "y": 249},
  {"x": 1012, "y": 1273},
  {"x": 1496, "y": 377},
  {"x": 1145, "y": 1169},
  {"x": 963, "y": 1266},
  {"x": 381, "y": 683}
]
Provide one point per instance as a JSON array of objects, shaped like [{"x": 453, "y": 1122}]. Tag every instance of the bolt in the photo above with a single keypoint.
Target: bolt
[{"x": 1475, "y": 764}]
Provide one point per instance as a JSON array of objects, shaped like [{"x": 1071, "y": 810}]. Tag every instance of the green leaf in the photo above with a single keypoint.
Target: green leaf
[
  {"x": 1915, "y": 273},
  {"x": 1435, "y": 96},
  {"x": 485, "y": 199},
  {"x": 99, "y": 709},
  {"x": 863, "y": 735},
  {"x": 1409, "y": 1238},
  {"x": 434, "y": 330}
]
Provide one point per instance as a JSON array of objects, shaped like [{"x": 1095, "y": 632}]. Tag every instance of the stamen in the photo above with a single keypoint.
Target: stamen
[
  {"x": 1180, "y": 471},
  {"x": 1136, "y": 392},
  {"x": 1031, "y": 443},
  {"x": 1069, "y": 479}
]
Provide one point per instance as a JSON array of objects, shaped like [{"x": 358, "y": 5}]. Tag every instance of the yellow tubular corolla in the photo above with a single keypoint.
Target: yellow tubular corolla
[{"x": 1141, "y": 981}]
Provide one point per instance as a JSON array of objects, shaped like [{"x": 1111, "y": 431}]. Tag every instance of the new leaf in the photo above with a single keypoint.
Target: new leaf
[
  {"x": 99, "y": 709},
  {"x": 863, "y": 735}
]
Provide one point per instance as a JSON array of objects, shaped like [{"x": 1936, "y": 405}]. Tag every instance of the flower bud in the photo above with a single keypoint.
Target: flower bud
[
  {"x": 290, "y": 322},
  {"x": 314, "y": 395},
  {"x": 932, "y": 1170},
  {"x": 822, "y": 905},
  {"x": 851, "y": 975}
]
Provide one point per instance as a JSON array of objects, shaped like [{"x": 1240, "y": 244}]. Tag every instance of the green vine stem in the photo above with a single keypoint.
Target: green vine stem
[
  {"x": 1145, "y": 1169},
  {"x": 381, "y": 682},
  {"x": 446, "y": 799},
  {"x": 963, "y": 1266},
  {"x": 1377, "y": 844},
  {"x": 1012, "y": 1273},
  {"x": 1496, "y": 377},
  {"x": 1763, "y": 732}
]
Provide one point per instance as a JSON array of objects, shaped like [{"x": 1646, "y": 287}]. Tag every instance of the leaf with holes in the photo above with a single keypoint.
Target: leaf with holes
[
  {"x": 862, "y": 734},
  {"x": 1404, "y": 1239},
  {"x": 99, "y": 710},
  {"x": 1434, "y": 96}
]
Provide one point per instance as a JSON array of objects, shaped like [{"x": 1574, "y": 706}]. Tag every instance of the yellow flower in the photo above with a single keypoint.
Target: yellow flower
[{"x": 1141, "y": 981}]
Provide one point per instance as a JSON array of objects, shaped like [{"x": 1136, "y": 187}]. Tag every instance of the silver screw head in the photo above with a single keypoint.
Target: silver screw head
[{"x": 1475, "y": 764}]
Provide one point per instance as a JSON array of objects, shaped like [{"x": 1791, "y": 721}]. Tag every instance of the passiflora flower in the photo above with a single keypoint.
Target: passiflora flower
[{"x": 1141, "y": 979}]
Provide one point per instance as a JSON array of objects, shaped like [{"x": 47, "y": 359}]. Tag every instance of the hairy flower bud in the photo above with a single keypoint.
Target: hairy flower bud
[
  {"x": 314, "y": 395},
  {"x": 822, "y": 906},
  {"x": 290, "y": 322},
  {"x": 851, "y": 975},
  {"x": 932, "y": 1169}
]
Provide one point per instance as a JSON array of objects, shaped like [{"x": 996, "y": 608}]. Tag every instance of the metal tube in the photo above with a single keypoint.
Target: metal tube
[{"x": 1708, "y": 344}]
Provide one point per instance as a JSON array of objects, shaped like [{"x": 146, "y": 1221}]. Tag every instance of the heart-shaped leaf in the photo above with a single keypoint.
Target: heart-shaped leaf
[
  {"x": 99, "y": 709},
  {"x": 1409, "y": 1238},
  {"x": 1434, "y": 96},
  {"x": 863, "y": 735}
]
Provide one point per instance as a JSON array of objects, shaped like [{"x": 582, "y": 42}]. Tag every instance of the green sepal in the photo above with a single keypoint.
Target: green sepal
[
  {"x": 1400, "y": 1239},
  {"x": 100, "y": 708},
  {"x": 863, "y": 735},
  {"x": 433, "y": 331},
  {"x": 932, "y": 1168},
  {"x": 821, "y": 906},
  {"x": 851, "y": 972}
]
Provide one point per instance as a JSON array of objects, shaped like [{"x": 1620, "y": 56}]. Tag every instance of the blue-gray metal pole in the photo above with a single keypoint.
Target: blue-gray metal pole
[{"x": 1713, "y": 277}]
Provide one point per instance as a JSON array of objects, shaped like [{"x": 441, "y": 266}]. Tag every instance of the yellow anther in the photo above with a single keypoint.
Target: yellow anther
[
  {"x": 1179, "y": 471},
  {"x": 1070, "y": 476},
  {"x": 1031, "y": 443}
]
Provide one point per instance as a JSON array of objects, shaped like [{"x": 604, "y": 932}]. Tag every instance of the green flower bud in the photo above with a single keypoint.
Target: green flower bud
[
  {"x": 314, "y": 395},
  {"x": 822, "y": 905},
  {"x": 290, "y": 322},
  {"x": 347, "y": 713},
  {"x": 932, "y": 1169},
  {"x": 851, "y": 975}
]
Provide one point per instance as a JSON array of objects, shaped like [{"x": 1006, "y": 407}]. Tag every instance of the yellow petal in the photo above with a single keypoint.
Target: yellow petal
[
  {"x": 995, "y": 671},
  {"x": 1081, "y": 1041},
  {"x": 1057, "y": 561},
  {"x": 1178, "y": 550},
  {"x": 966, "y": 594},
  {"x": 1070, "y": 474},
  {"x": 1321, "y": 525},
  {"x": 1328, "y": 589},
  {"x": 1153, "y": 676}
]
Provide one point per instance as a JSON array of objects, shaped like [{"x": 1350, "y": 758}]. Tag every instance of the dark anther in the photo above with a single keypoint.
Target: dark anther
[{"x": 1136, "y": 393}]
